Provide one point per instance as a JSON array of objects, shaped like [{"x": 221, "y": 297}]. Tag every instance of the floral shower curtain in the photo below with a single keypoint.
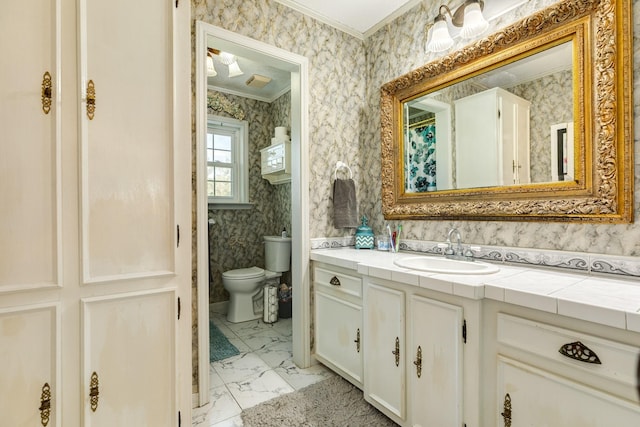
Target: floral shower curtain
[{"x": 420, "y": 169}]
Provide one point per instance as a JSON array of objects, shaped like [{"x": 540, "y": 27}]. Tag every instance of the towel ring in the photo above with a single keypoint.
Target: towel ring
[{"x": 340, "y": 165}]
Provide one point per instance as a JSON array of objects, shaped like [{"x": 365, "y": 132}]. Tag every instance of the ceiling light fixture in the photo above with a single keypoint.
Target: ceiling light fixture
[
  {"x": 468, "y": 16},
  {"x": 231, "y": 61},
  {"x": 211, "y": 70}
]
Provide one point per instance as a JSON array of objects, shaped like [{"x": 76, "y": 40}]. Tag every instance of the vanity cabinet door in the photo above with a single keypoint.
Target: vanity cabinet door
[
  {"x": 434, "y": 360},
  {"x": 529, "y": 396},
  {"x": 384, "y": 346},
  {"x": 339, "y": 335}
]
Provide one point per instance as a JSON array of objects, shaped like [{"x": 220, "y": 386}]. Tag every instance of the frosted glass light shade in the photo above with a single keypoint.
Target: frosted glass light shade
[
  {"x": 440, "y": 38},
  {"x": 211, "y": 71},
  {"x": 234, "y": 70},
  {"x": 474, "y": 22}
]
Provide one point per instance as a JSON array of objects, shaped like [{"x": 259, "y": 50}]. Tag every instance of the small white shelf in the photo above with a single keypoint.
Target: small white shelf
[{"x": 276, "y": 163}]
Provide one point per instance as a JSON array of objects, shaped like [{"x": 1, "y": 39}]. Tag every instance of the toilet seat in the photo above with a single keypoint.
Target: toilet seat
[{"x": 244, "y": 273}]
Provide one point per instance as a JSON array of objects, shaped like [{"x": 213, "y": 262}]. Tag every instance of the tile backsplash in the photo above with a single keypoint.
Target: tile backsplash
[{"x": 525, "y": 257}]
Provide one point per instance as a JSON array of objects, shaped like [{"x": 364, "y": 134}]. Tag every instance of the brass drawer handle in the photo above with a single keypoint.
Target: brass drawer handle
[
  {"x": 397, "y": 351},
  {"x": 94, "y": 392},
  {"x": 47, "y": 92},
  {"x": 580, "y": 352},
  {"x": 418, "y": 362},
  {"x": 45, "y": 405},
  {"x": 335, "y": 281},
  {"x": 357, "y": 340}
]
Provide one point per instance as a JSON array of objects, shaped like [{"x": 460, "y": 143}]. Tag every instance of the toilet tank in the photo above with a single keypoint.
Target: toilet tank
[{"x": 277, "y": 253}]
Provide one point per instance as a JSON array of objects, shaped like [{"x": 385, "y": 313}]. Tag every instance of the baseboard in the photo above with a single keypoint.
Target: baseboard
[{"x": 219, "y": 307}]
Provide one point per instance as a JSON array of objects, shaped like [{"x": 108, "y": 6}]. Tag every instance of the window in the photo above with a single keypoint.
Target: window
[{"x": 227, "y": 161}]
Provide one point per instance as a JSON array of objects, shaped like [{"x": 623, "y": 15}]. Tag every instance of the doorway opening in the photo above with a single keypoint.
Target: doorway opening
[{"x": 297, "y": 66}]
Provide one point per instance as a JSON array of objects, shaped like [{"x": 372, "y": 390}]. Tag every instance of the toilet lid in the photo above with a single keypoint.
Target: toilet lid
[{"x": 244, "y": 273}]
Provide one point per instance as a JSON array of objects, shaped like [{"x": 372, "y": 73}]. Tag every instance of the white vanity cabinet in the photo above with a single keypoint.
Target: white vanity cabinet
[
  {"x": 547, "y": 375},
  {"x": 492, "y": 139},
  {"x": 338, "y": 320},
  {"x": 414, "y": 355}
]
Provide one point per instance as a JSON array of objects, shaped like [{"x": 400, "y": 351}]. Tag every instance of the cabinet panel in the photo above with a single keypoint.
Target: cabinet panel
[
  {"x": 539, "y": 398},
  {"x": 29, "y": 358},
  {"x": 436, "y": 396},
  {"x": 129, "y": 341},
  {"x": 127, "y": 145},
  {"x": 384, "y": 344},
  {"x": 29, "y": 148},
  {"x": 338, "y": 282},
  {"x": 339, "y": 334}
]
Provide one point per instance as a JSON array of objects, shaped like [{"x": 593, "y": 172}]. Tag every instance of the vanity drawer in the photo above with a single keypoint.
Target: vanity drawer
[
  {"x": 597, "y": 356},
  {"x": 338, "y": 281}
]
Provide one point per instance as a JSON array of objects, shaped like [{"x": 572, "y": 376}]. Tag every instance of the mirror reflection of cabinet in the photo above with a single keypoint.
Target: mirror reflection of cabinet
[{"x": 492, "y": 139}]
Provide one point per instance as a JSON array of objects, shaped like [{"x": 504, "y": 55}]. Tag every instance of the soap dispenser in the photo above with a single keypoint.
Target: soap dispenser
[
  {"x": 284, "y": 233},
  {"x": 364, "y": 235}
]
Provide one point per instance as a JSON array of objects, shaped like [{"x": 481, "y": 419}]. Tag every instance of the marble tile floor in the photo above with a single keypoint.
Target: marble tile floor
[{"x": 262, "y": 371}]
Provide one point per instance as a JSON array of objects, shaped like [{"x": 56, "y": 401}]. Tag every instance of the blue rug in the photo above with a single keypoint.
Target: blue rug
[{"x": 219, "y": 346}]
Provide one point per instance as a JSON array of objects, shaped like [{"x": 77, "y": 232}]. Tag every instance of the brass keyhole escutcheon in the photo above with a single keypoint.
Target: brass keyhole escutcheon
[
  {"x": 91, "y": 99},
  {"x": 94, "y": 392},
  {"x": 45, "y": 405},
  {"x": 418, "y": 362},
  {"x": 396, "y": 352},
  {"x": 47, "y": 92},
  {"x": 506, "y": 414}
]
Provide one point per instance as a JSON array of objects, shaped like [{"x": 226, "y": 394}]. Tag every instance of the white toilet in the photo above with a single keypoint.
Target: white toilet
[{"x": 244, "y": 284}]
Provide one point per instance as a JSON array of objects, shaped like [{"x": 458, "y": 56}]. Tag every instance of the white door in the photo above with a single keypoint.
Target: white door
[
  {"x": 92, "y": 202},
  {"x": 338, "y": 334},
  {"x": 384, "y": 345},
  {"x": 434, "y": 358}
]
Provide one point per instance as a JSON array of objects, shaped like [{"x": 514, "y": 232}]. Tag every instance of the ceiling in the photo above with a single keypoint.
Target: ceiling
[{"x": 359, "y": 18}]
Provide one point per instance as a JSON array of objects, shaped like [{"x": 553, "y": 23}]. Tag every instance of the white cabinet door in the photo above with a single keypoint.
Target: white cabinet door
[
  {"x": 116, "y": 179},
  {"x": 384, "y": 344},
  {"x": 435, "y": 361},
  {"x": 129, "y": 366},
  {"x": 338, "y": 334},
  {"x": 529, "y": 396}
]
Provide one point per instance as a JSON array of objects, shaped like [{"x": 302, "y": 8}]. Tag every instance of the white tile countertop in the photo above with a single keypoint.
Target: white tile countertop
[{"x": 596, "y": 298}]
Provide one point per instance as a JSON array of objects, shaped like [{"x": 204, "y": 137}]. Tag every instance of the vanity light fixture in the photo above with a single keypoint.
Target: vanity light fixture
[{"x": 468, "y": 16}]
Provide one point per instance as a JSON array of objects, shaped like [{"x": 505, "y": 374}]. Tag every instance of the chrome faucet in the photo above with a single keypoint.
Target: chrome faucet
[
  {"x": 450, "y": 249},
  {"x": 457, "y": 251}
]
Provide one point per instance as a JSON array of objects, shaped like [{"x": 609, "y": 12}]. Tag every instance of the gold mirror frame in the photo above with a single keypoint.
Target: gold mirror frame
[{"x": 603, "y": 115}]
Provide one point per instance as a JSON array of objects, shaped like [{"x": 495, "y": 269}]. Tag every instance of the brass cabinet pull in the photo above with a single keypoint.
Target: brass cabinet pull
[
  {"x": 357, "y": 340},
  {"x": 335, "y": 281},
  {"x": 418, "y": 362},
  {"x": 506, "y": 414},
  {"x": 91, "y": 99},
  {"x": 47, "y": 91},
  {"x": 94, "y": 392},
  {"x": 45, "y": 404},
  {"x": 578, "y": 351},
  {"x": 397, "y": 351}
]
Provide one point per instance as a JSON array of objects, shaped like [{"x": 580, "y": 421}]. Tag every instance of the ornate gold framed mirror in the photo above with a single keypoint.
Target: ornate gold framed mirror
[{"x": 531, "y": 123}]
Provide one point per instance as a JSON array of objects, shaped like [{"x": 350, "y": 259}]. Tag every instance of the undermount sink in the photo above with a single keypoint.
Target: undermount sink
[{"x": 445, "y": 265}]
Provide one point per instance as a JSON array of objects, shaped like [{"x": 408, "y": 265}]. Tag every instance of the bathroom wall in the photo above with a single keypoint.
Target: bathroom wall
[
  {"x": 398, "y": 48},
  {"x": 236, "y": 238}
]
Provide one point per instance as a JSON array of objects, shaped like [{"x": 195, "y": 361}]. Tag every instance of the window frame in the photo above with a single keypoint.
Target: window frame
[{"x": 239, "y": 130}]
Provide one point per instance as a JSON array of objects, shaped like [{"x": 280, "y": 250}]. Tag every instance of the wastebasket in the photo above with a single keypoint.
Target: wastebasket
[{"x": 284, "y": 301}]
